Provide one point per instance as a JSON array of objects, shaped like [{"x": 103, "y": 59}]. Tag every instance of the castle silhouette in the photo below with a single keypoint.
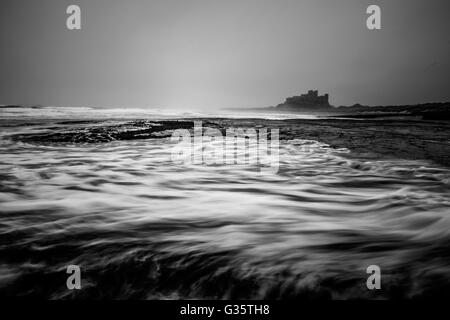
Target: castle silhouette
[{"x": 310, "y": 101}]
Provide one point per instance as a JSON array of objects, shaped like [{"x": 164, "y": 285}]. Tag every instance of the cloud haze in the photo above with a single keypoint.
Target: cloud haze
[{"x": 214, "y": 54}]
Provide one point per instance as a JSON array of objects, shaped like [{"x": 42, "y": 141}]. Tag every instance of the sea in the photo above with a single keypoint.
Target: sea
[{"x": 140, "y": 226}]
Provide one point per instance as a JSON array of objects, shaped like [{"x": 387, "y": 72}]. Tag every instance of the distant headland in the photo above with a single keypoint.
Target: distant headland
[{"x": 313, "y": 103}]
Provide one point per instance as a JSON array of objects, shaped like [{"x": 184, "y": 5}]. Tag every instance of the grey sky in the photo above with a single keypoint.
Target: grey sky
[{"x": 222, "y": 53}]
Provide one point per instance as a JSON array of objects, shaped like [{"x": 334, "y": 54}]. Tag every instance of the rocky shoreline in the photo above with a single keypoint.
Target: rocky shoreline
[{"x": 371, "y": 139}]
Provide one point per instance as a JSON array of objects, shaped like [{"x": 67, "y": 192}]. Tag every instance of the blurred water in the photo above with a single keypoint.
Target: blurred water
[{"x": 140, "y": 226}]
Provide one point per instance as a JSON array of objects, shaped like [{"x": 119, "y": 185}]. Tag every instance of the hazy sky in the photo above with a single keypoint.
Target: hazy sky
[{"x": 222, "y": 53}]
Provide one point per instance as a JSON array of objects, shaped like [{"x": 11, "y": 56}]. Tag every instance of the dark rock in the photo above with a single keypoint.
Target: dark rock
[{"x": 95, "y": 134}]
